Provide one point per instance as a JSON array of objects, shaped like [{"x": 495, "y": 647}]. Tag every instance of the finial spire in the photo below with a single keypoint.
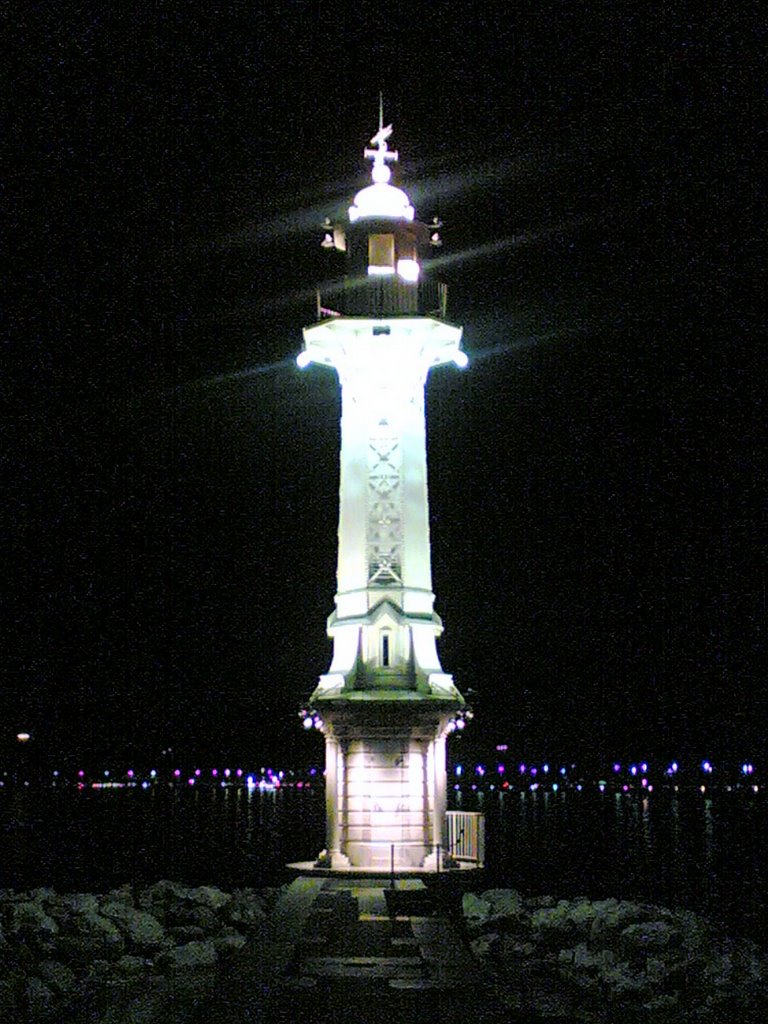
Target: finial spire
[{"x": 381, "y": 155}]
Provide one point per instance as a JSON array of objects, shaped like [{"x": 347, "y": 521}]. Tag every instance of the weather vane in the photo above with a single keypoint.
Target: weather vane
[{"x": 381, "y": 155}]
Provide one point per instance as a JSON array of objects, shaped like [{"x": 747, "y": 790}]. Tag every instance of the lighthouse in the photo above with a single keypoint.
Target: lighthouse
[{"x": 385, "y": 705}]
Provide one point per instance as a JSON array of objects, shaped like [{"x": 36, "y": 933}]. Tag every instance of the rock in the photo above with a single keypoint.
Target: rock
[
  {"x": 196, "y": 915},
  {"x": 511, "y": 948},
  {"x": 586, "y": 959},
  {"x": 104, "y": 935},
  {"x": 123, "y": 894},
  {"x": 73, "y": 903},
  {"x": 553, "y": 926},
  {"x": 611, "y": 918},
  {"x": 39, "y": 1001},
  {"x": 80, "y": 950},
  {"x": 695, "y": 931},
  {"x": 485, "y": 945},
  {"x": 42, "y": 894},
  {"x": 540, "y": 902},
  {"x": 193, "y": 955},
  {"x": 245, "y": 910},
  {"x": 100, "y": 972},
  {"x": 209, "y": 896},
  {"x": 165, "y": 891},
  {"x": 9, "y": 1004},
  {"x": 583, "y": 913},
  {"x": 183, "y": 933},
  {"x": 476, "y": 909},
  {"x": 142, "y": 929},
  {"x": 649, "y": 936},
  {"x": 130, "y": 965},
  {"x": 504, "y": 903},
  {"x": 623, "y": 981},
  {"x": 57, "y": 976},
  {"x": 656, "y": 970},
  {"x": 29, "y": 919},
  {"x": 225, "y": 945}
]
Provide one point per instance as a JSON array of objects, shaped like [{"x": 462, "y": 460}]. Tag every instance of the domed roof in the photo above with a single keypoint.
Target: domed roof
[{"x": 381, "y": 199}]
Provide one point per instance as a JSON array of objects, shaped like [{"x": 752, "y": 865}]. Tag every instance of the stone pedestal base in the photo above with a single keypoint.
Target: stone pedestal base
[
  {"x": 333, "y": 859},
  {"x": 440, "y": 860}
]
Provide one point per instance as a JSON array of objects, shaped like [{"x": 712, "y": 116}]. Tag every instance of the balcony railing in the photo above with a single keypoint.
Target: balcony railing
[
  {"x": 380, "y": 297},
  {"x": 466, "y": 836}
]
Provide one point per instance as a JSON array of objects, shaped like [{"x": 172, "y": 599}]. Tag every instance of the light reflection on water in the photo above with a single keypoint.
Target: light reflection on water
[
  {"x": 677, "y": 849},
  {"x": 706, "y": 853}
]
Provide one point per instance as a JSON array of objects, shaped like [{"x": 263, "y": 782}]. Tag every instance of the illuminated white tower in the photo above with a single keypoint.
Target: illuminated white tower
[{"x": 385, "y": 705}]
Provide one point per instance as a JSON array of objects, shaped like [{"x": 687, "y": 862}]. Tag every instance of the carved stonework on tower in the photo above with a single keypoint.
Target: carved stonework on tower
[
  {"x": 385, "y": 526},
  {"x": 385, "y": 705}
]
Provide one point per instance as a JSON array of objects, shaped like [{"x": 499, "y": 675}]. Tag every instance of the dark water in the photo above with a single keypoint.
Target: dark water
[{"x": 704, "y": 853}]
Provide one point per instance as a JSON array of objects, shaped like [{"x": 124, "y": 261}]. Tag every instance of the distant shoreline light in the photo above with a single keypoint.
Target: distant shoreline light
[{"x": 622, "y": 779}]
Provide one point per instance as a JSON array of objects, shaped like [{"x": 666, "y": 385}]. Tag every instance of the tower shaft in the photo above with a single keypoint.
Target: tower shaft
[{"x": 385, "y": 704}]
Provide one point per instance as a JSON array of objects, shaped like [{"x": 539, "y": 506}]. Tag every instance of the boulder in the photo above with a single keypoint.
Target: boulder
[
  {"x": 245, "y": 911},
  {"x": 226, "y": 945},
  {"x": 611, "y": 918},
  {"x": 180, "y": 934},
  {"x": 131, "y": 965},
  {"x": 39, "y": 1000},
  {"x": 485, "y": 945},
  {"x": 583, "y": 913},
  {"x": 553, "y": 926},
  {"x": 191, "y": 956},
  {"x": 504, "y": 903},
  {"x": 123, "y": 894},
  {"x": 142, "y": 930},
  {"x": 80, "y": 950},
  {"x": 209, "y": 896},
  {"x": 190, "y": 914},
  {"x": 73, "y": 903},
  {"x": 28, "y": 919},
  {"x": 476, "y": 909},
  {"x": 57, "y": 976},
  {"x": 649, "y": 937},
  {"x": 9, "y": 1002},
  {"x": 623, "y": 981},
  {"x": 42, "y": 894},
  {"x": 103, "y": 935}
]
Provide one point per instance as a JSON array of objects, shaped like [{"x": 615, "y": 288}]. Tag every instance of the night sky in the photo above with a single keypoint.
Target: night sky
[{"x": 597, "y": 479}]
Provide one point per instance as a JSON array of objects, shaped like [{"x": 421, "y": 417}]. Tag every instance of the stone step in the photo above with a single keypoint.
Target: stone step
[{"x": 361, "y": 967}]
